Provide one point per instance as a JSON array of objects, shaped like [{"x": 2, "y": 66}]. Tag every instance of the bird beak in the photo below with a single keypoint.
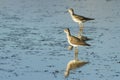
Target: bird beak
[
  {"x": 66, "y": 12},
  {"x": 64, "y": 30}
]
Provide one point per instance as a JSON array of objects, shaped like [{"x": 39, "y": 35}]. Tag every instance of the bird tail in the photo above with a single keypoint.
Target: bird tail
[
  {"x": 88, "y": 44},
  {"x": 90, "y": 19},
  {"x": 85, "y": 44}
]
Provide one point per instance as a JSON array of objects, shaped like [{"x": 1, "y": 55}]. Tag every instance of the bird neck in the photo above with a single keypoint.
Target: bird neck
[
  {"x": 68, "y": 35},
  {"x": 72, "y": 13}
]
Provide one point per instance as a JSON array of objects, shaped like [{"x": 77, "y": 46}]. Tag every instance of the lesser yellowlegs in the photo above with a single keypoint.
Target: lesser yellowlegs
[
  {"x": 79, "y": 19},
  {"x": 74, "y": 41}
]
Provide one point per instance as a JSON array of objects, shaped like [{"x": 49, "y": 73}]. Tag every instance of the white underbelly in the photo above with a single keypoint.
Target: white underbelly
[
  {"x": 72, "y": 44},
  {"x": 76, "y": 20}
]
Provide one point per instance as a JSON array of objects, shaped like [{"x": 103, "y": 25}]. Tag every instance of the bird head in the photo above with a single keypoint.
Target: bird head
[
  {"x": 70, "y": 11},
  {"x": 66, "y": 30},
  {"x": 66, "y": 74}
]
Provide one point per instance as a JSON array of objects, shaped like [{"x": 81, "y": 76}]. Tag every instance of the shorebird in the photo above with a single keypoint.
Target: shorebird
[
  {"x": 74, "y": 41},
  {"x": 79, "y": 19}
]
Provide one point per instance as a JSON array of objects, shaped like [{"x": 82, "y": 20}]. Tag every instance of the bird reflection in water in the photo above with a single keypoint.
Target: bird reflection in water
[{"x": 73, "y": 64}]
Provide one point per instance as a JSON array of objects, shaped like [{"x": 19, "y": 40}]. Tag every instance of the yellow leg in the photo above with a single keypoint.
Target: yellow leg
[
  {"x": 76, "y": 53},
  {"x": 70, "y": 47},
  {"x": 81, "y": 28}
]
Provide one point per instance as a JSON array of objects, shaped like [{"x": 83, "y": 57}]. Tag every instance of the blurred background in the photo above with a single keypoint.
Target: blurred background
[{"x": 33, "y": 45}]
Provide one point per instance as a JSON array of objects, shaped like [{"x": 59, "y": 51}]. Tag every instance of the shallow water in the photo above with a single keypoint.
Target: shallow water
[{"x": 33, "y": 45}]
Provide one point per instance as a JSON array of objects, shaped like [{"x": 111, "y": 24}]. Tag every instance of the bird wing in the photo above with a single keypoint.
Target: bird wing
[
  {"x": 82, "y": 17},
  {"x": 79, "y": 17},
  {"x": 77, "y": 41}
]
